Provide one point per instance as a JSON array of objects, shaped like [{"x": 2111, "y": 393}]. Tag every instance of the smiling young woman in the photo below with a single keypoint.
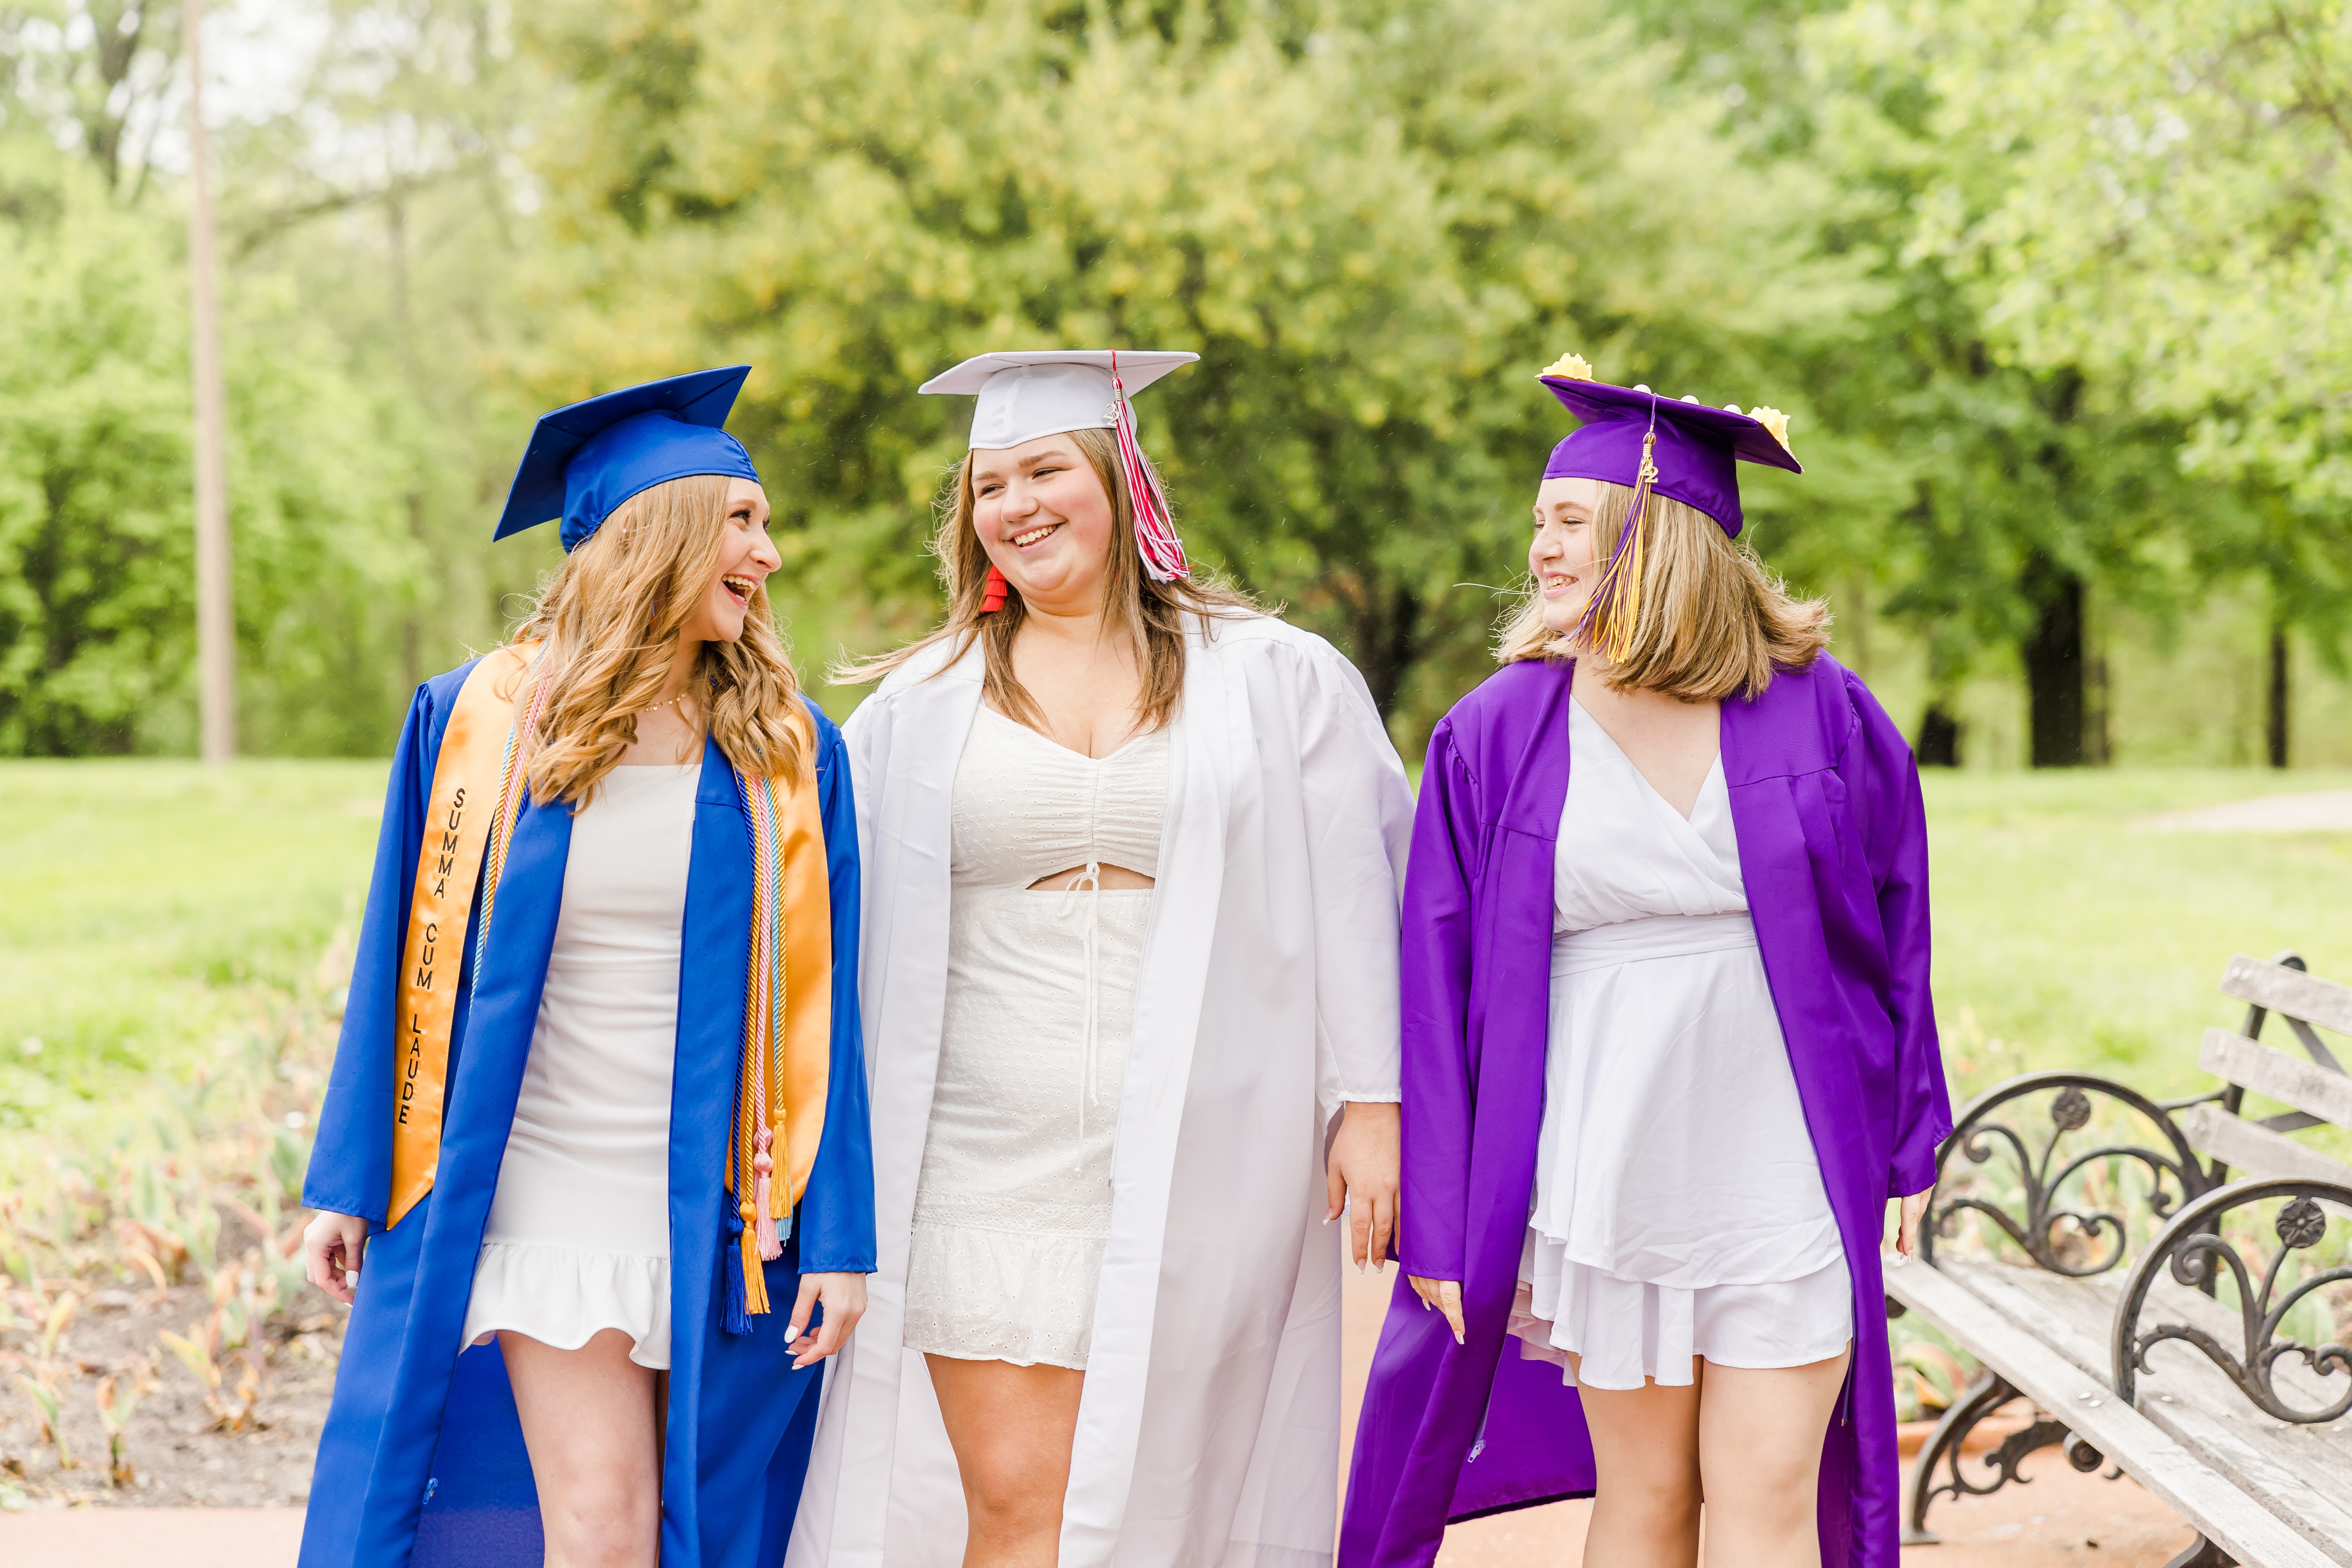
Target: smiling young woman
[
  {"x": 1131, "y": 989},
  {"x": 1643, "y": 1203},
  {"x": 600, "y": 1138}
]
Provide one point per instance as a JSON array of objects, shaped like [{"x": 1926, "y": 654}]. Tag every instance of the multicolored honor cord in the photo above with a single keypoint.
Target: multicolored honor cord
[
  {"x": 1155, "y": 529},
  {"x": 759, "y": 1127}
]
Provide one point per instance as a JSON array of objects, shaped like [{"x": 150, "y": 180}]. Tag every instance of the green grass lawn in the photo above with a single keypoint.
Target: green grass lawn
[
  {"x": 2067, "y": 936},
  {"x": 150, "y": 911}
]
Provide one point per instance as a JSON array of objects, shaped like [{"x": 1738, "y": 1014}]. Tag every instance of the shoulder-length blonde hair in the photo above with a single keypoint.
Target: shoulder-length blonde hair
[
  {"x": 1714, "y": 622},
  {"x": 610, "y": 619},
  {"x": 1152, "y": 613}
]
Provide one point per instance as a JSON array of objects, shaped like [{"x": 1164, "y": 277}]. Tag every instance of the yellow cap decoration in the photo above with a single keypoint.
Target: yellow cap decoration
[
  {"x": 1773, "y": 420},
  {"x": 1570, "y": 367}
]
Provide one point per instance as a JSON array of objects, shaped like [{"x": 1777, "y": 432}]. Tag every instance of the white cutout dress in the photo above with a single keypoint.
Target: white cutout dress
[
  {"x": 1678, "y": 1209},
  {"x": 1012, "y": 1205}
]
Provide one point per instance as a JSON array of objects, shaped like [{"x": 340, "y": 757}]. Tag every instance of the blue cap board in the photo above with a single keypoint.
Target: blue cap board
[{"x": 585, "y": 459}]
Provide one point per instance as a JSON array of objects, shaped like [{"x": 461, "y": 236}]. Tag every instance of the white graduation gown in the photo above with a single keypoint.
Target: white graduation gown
[{"x": 1209, "y": 1433}]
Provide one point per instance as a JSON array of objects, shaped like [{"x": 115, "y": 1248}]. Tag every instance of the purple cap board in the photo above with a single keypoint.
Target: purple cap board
[{"x": 1698, "y": 451}]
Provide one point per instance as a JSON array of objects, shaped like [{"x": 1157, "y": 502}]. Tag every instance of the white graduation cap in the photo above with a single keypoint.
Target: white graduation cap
[
  {"x": 1028, "y": 393},
  {"x": 1043, "y": 392}
]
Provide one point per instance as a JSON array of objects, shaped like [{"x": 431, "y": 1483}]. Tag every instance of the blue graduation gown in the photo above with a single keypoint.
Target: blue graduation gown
[{"x": 422, "y": 1461}]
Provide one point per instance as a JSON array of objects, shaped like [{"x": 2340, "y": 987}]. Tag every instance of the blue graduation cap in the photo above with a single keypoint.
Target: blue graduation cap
[{"x": 585, "y": 459}]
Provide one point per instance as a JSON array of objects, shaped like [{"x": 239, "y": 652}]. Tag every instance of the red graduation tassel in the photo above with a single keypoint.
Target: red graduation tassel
[
  {"x": 993, "y": 595},
  {"x": 1155, "y": 529}
]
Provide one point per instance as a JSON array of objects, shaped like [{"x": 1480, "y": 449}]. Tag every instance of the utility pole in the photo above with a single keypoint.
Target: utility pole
[{"x": 216, "y": 614}]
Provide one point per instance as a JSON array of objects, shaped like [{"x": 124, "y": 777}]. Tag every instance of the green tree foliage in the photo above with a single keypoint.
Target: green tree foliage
[
  {"x": 2051, "y": 290},
  {"x": 96, "y": 544},
  {"x": 1375, "y": 224},
  {"x": 2140, "y": 215},
  {"x": 359, "y": 460}
]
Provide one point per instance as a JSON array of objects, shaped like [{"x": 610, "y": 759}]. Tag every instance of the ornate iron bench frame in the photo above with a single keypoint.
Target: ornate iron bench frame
[{"x": 2191, "y": 1195}]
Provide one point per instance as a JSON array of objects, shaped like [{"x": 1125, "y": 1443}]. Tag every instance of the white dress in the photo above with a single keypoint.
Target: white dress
[
  {"x": 578, "y": 1237},
  {"x": 1013, "y": 1202},
  {"x": 1679, "y": 1209}
]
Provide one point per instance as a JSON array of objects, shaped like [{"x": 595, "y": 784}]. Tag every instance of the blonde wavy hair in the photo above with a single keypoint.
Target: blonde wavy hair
[
  {"x": 609, "y": 618},
  {"x": 1715, "y": 622},
  {"x": 1152, "y": 613}
]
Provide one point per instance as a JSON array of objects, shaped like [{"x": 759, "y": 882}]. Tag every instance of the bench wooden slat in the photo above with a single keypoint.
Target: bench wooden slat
[
  {"x": 2290, "y": 1080},
  {"x": 2085, "y": 1312},
  {"x": 2255, "y": 1150},
  {"x": 2302, "y": 1473},
  {"x": 2151, "y": 1456},
  {"x": 2289, "y": 991}
]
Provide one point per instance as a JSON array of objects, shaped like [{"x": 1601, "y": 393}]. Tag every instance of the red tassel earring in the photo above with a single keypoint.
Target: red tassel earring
[{"x": 991, "y": 596}]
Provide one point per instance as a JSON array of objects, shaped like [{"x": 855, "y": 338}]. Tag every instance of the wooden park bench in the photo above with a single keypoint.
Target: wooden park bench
[{"x": 2157, "y": 1282}]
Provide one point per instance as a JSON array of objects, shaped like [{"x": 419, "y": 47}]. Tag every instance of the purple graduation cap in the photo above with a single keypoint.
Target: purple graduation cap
[
  {"x": 588, "y": 457},
  {"x": 1677, "y": 448}
]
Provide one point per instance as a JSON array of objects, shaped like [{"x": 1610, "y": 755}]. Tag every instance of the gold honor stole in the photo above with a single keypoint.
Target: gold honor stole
[{"x": 782, "y": 1078}]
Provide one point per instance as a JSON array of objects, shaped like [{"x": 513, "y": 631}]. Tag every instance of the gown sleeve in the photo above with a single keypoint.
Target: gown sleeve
[
  {"x": 1435, "y": 989},
  {"x": 835, "y": 1227},
  {"x": 350, "y": 1162},
  {"x": 1896, "y": 847},
  {"x": 1357, "y": 810}
]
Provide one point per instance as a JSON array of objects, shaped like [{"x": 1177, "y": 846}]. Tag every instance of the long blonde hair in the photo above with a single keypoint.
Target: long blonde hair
[
  {"x": 610, "y": 619},
  {"x": 1151, "y": 613},
  {"x": 1714, "y": 623}
]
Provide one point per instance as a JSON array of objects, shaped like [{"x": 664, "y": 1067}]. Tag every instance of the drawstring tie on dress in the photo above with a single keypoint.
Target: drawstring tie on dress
[{"x": 1090, "y": 882}]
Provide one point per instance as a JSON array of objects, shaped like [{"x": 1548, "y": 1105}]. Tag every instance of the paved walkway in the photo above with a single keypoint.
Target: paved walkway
[
  {"x": 2062, "y": 1518},
  {"x": 157, "y": 1537},
  {"x": 2317, "y": 811}
]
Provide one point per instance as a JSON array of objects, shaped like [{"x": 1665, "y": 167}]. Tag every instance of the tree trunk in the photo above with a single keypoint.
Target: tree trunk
[
  {"x": 1939, "y": 738},
  {"x": 1388, "y": 640},
  {"x": 2274, "y": 705},
  {"x": 2053, "y": 664}
]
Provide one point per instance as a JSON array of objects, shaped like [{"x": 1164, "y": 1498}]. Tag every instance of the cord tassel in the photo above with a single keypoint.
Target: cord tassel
[
  {"x": 755, "y": 1278},
  {"x": 737, "y": 1319},
  {"x": 1615, "y": 612},
  {"x": 1155, "y": 529},
  {"x": 764, "y": 1166},
  {"x": 993, "y": 593}
]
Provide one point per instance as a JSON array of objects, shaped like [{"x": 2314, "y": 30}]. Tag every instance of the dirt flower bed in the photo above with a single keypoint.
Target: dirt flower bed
[
  {"x": 136, "y": 1425},
  {"x": 158, "y": 1344}
]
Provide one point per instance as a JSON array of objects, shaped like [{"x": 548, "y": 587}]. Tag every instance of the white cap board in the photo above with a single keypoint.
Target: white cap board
[{"x": 1027, "y": 394}]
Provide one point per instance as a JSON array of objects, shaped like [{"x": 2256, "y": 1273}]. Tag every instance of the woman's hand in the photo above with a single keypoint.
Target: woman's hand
[
  {"x": 333, "y": 1248},
  {"x": 1907, "y": 1229},
  {"x": 843, "y": 1296},
  {"x": 1446, "y": 1296},
  {"x": 1362, "y": 1178}
]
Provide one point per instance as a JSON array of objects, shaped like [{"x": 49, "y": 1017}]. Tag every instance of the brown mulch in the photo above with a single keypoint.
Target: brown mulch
[{"x": 174, "y": 1450}]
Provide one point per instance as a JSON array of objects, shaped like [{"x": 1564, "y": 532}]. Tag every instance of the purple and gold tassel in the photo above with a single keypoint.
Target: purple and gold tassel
[{"x": 1614, "y": 611}]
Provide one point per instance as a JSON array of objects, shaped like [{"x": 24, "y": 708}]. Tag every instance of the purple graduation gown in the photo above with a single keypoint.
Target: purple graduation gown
[{"x": 1834, "y": 850}]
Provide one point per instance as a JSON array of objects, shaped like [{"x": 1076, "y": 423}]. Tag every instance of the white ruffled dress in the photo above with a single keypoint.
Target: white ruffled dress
[
  {"x": 1013, "y": 1204},
  {"x": 1679, "y": 1210},
  {"x": 578, "y": 1238}
]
